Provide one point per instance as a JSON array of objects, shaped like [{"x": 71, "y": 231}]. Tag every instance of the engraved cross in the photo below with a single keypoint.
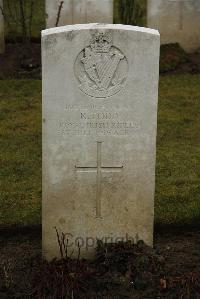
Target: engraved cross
[{"x": 98, "y": 169}]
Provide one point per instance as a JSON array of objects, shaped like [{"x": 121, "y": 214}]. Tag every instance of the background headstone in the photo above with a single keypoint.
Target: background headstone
[
  {"x": 100, "y": 85},
  {"x": 78, "y": 12},
  {"x": 2, "y": 42},
  {"x": 177, "y": 21}
]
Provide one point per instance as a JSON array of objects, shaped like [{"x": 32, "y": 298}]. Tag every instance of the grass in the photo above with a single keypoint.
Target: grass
[
  {"x": 20, "y": 156},
  {"x": 178, "y": 159}
]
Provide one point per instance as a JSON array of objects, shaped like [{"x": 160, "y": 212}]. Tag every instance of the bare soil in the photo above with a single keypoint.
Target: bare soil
[
  {"x": 21, "y": 61},
  {"x": 20, "y": 253}
]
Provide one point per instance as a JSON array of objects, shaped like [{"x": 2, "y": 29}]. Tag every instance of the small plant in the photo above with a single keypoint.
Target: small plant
[
  {"x": 6, "y": 270},
  {"x": 186, "y": 286},
  {"x": 62, "y": 278}
]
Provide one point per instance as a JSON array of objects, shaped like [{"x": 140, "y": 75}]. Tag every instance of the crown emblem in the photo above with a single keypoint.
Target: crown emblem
[{"x": 101, "y": 42}]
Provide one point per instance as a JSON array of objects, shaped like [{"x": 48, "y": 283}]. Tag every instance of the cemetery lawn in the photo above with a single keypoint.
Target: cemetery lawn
[
  {"x": 20, "y": 155},
  {"x": 178, "y": 158}
]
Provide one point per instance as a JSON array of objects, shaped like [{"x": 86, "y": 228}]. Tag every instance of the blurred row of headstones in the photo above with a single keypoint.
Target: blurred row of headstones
[
  {"x": 68, "y": 12},
  {"x": 178, "y": 21}
]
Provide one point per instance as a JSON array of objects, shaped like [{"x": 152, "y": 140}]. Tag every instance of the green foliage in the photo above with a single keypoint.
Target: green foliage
[
  {"x": 130, "y": 12},
  {"x": 34, "y": 18}
]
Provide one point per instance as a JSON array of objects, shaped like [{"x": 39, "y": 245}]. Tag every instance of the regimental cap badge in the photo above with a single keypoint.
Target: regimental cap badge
[
  {"x": 101, "y": 68},
  {"x": 101, "y": 42}
]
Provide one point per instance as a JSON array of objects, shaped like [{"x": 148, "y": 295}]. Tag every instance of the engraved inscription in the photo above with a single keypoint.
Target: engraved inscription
[
  {"x": 99, "y": 115},
  {"x": 101, "y": 69},
  {"x": 98, "y": 169},
  {"x": 98, "y": 128},
  {"x": 97, "y": 120}
]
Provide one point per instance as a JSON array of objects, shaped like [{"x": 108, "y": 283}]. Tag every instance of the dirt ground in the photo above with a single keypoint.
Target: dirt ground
[
  {"x": 20, "y": 251},
  {"x": 181, "y": 250},
  {"x": 19, "y": 62}
]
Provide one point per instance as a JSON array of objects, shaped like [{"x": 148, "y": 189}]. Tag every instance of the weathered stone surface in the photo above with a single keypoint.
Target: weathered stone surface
[
  {"x": 79, "y": 12},
  {"x": 177, "y": 21},
  {"x": 100, "y": 85},
  {"x": 2, "y": 42}
]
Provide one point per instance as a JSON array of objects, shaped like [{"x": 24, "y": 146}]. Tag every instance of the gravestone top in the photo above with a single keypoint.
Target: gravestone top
[
  {"x": 100, "y": 90},
  {"x": 97, "y": 26}
]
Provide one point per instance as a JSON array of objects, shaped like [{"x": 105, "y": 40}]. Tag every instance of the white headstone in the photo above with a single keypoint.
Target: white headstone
[
  {"x": 78, "y": 12},
  {"x": 2, "y": 42},
  {"x": 178, "y": 21},
  {"x": 100, "y": 86}
]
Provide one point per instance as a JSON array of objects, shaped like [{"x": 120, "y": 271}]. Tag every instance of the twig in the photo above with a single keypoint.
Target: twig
[
  {"x": 60, "y": 243},
  {"x": 59, "y": 13}
]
